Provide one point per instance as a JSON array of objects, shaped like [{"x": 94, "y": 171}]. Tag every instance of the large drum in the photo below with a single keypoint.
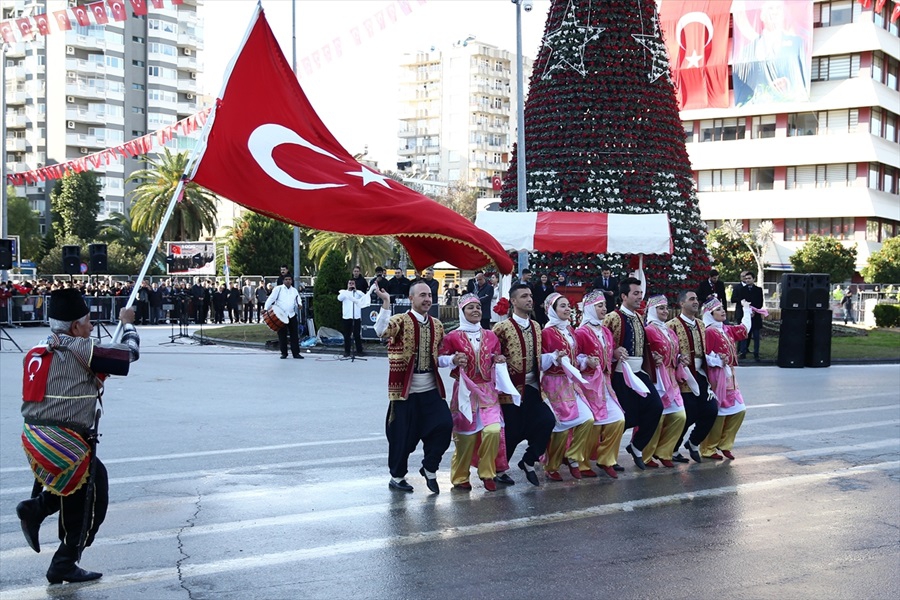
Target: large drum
[{"x": 275, "y": 318}]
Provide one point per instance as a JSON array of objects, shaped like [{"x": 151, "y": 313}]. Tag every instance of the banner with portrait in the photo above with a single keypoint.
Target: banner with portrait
[
  {"x": 772, "y": 56},
  {"x": 191, "y": 258}
]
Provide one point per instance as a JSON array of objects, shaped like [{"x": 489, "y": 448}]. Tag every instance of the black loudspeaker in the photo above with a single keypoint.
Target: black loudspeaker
[
  {"x": 71, "y": 260},
  {"x": 818, "y": 340},
  {"x": 792, "y": 339},
  {"x": 97, "y": 254},
  {"x": 818, "y": 286},
  {"x": 793, "y": 291},
  {"x": 6, "y": 255}
]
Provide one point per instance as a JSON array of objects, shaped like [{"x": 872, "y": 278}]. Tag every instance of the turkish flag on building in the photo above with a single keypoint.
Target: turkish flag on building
[
  {"x": 139, "y": 7},
  {"x": 81, "y": 15},
  {"x": 24, "y": 25},
  {"x": 117, "y": 8},
  {"x": 7, "y": 32},
  {"x": 99, "y": 10},
  {"x": 696, "y": 34},
  {"x": 42, "y": 23},
  {"x": 267, "y": 150},
  {"x": 496, "y": 183},
  {"x": 62, "y": 20}
]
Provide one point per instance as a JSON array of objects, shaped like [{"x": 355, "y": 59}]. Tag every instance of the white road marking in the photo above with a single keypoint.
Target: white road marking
[{"x": 273, "y": 559}]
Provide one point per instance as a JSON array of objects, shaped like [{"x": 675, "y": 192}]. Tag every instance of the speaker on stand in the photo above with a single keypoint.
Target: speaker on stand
[
  {"x": 792, "y": 335},
  {"x": 71, "y": 260},
  {"x": 6, "y": 255},
  {"x": 97, "y": 259},
  {"x": 819, "y": 319}
]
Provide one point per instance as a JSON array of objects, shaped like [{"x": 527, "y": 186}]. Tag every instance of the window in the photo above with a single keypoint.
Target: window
[
  {"x": 881, "y": 230},
  {"x": 137, "y": 133},
  {"x": 137, "y": 63},
  {"x": 162, "y": 72},
  {"x": 137, "y": 86},
  {"x": 164, "y": 49},
  {"x": 836, "y": 12},
  {"x": 688, "y": 131},
  {"x": 882, "y": 19},
  {"x": 830, "y": 68},
  {"x": 718, "y": 130},
  {"x": 885, "y": 69},
  {"x": 725, "y": 180},
  {"x": 137, "y": 110},
  {"x": 820, "y": 176},
  {"x": 841, "y": 228},
  {"x": 762, "y": 178},
  {"x": 763, "y": 127},
  {"x": 113, "y": 62},
  {"x": 137, "y": 39},
  {"x": 823, "y": 122}
]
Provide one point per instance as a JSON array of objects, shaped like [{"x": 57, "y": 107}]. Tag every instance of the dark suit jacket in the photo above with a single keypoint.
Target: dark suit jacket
[
  {"x": 754, "y": 295},
  {"x": 610, "y": 290},
  {"x": 705, "y": 290}
]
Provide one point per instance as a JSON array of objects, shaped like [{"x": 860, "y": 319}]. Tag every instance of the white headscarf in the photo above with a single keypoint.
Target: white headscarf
[
  {"x": 589, "y": 315},
  {"x": 652, "y": 304},
  {"x": 554, "y": 319},
  {"x": 708, "y": 307},
  {"x": 464, "y": 324}
]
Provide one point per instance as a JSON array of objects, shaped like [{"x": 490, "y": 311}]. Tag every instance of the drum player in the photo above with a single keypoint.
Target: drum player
[{"x": 284, "y": 301}]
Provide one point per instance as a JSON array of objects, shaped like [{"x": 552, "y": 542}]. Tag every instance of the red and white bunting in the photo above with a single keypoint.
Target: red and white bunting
[{"x": 130, "y": 149}]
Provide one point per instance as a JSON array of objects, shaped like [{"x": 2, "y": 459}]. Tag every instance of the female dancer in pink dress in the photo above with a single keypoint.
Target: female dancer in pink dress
[
  {"x": 564, "y": 392},
  {"x": 474, "y": 352},
  {"x": 596, "y": 342},
  {"x": 665, "y": 349},
  {"x": 721, "y": 340}
]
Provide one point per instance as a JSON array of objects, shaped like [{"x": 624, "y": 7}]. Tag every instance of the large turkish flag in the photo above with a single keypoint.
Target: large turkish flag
[
  {"x": 268, "y": 150},
  {"x": 696, "y": 33}
]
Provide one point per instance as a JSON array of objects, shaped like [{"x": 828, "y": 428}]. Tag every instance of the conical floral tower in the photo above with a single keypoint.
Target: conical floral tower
[{"x": 602, "y": 134}]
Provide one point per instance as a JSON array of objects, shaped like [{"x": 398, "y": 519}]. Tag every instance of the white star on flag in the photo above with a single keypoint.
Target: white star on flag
[
  {"x": 693, "y": 61},
  {"x": 368, "y": 176}
]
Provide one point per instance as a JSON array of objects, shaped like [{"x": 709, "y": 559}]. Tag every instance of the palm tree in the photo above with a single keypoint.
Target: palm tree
[
  {"x": 357, "y": 249},
  {"x": 118, "y": 228},
  {"x": 193, "y": 214}
]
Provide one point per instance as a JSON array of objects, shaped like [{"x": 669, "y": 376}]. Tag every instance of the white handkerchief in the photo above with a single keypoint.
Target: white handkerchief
[
  {"x": 575, "y": 373},
  {"x": 728, "y": 371},
  {"x": 504, "y": 384},
  {"x": 632, "y": 380},
  {"x": 691, "y": 382},
  {"x": 464, "y": 399}
]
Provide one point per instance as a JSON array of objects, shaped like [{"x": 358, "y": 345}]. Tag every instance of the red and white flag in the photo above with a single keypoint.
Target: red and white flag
[
  {"x": 42, "y": 22},
  {"x": 7, "y": 32},
  {"x": 267, "y": 150},
  {"x": 99, "y": 11},
  {"x": 139, "y": 7},
  {"x": 117, "y": 8},
  {"x": 62, "y": 20},
  {"x": 81, "y": 15}
]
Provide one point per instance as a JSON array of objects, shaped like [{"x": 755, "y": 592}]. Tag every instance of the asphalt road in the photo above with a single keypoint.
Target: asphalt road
[{"x": 236, "y": 475}]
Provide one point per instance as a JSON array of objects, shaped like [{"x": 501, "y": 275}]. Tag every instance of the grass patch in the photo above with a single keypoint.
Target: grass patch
[
  {"x": 877, "y": 344},
  {"x": 255, "y": 332}
]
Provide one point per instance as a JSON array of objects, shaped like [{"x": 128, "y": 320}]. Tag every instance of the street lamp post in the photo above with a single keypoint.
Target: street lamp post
[{"x": 521, "y": 184}]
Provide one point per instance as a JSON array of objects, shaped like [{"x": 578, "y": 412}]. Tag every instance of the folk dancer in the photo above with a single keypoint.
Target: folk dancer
[
  {"x": 595, "y": 340},
  {"x": 643, "y": 412},
  {"x": 532, "y": 420},
  {"x": 474, "y": 351},
  {"x": 62, "y": 386},
  {"x": 287, "y": 298},
  {"x": 417, "y": 409},
  {"x": 664, "y": 348},
  {"x": 565, "y": 394},
  {"x": 700, "y": 407},
  {"x": 720, "y": 339}
]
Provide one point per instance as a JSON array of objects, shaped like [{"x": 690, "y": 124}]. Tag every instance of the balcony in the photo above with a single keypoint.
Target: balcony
[
  {"x": 85, "y": 67},
  {"x": 17, "y": 97},
  {"x": 15, "y": 144},
  {"x": 83, "y": 91},
  {"x": 189, "y": 63},
  {"x": 190, "y": 39},
  {"x": 187, "y": 107},
  {"x": 187, "y": 85},
  {"x": 14, "y": 121},
  {"x": 87, "y": 42},
  {"x": 83, "y": 140},
  {"x": 15, "y": 50}
]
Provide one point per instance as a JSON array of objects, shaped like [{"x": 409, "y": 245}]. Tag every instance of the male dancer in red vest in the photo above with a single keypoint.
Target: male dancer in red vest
[{"x": 417, "y": 409}]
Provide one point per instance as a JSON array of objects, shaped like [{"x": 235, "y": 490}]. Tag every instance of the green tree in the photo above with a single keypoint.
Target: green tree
[
  {"x": 460, "y": 198},
  {"x": 258, "y": 245},
  {"x": 757, "y": 242},
  {"x": 194, "y": 214},
  {"x": 884, "y": 265},
  {"x": 117, "y": 229},
  {"x": 51, "y": 263},
  {"x": 823, "y": 254},
  {"x": 75, "y": 199},
  {"x": 25, "y": 223},
  {"x": 331, "y": 279},
  {"x": 366, "y": 251},
  {"x": 730, "y": 255}
]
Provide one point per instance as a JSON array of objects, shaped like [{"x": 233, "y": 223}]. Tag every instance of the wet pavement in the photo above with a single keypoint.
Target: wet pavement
[{"x": 236, "y": 475}]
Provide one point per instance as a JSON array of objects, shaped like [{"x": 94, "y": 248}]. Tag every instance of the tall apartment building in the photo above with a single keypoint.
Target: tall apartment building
[
  {"x": 458, "y": 114},
  {"x": 77, "y": 92},
  {"x": 827, "y": 166}
]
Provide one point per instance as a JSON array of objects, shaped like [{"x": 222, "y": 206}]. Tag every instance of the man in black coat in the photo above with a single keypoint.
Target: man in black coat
[
  {"x": 712, "y": 287},
  {"x": 609, "y": 285},
  {"x": 750, "y": 292},
  {"x": 398, "y": 286}
]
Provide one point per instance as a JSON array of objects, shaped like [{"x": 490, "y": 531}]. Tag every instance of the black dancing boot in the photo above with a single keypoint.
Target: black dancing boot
[
  {"x": 63, "y": 567},
  {"x": 31, "y": 514}
]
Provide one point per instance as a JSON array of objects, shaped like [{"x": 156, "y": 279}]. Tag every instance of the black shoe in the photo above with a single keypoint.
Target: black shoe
[
  {"x": 346, "y": 355},
  {"x": 742, "y": 356},
  {"x": 73, "y": 575},
  {"x": 695, "y": 454},
  {"x": 400, "y": 486},
  {"x": 505, "y": 479},
  {"x": 756, "y": 357},
  {"x": 30, "y": 519},
  {"x": 300, "y": 356},
  {"x": 638, "y": 459},
  {"x": 680, "y": 459},
  {"x": 284, "y": 356},
  {"x": 531, "y": 475},
  {"x": 619, "y": 468},
  {"x": 431, "y": 483}
]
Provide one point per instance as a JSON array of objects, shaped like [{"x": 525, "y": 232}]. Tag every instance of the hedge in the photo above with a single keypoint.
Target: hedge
[{"x": 887, "y": 315}]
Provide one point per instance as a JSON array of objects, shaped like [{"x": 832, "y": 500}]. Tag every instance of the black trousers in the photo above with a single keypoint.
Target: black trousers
[
  {"x": 71, "y": 508},
  {"x": 532, "y": 421},
  {"x": 641, "y": 412},
  {"x": 424, "y": 416},
  {"x": 289, "y": 330},
  {"x": 248, "y": 312},
  {"x": 701, "y": 411},
  {"x": 353, "y": 327}
]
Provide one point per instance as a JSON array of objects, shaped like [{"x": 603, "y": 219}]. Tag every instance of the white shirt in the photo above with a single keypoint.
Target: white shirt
[
  {"x": 352, "y": 303},
  {"x": 286, "y": 298}
]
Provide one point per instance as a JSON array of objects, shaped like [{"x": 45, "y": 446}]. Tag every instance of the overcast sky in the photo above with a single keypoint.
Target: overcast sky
[{"x": 356, "y": 95}]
